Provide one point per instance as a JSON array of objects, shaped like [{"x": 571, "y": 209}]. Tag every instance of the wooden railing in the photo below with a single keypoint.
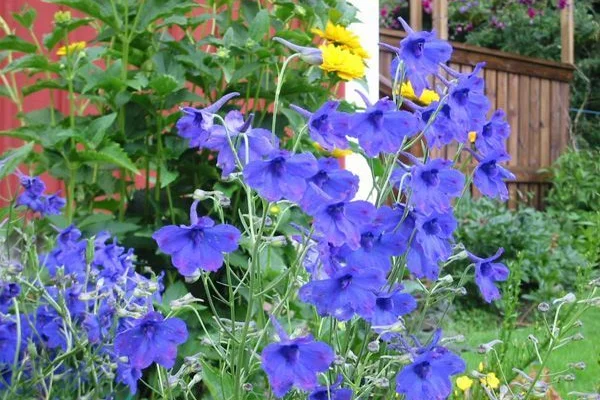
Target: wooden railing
[{"x": 534, "y": 93}]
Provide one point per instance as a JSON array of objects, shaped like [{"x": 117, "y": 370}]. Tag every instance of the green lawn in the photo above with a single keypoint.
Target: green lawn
[{"x": 587, "y": 350}]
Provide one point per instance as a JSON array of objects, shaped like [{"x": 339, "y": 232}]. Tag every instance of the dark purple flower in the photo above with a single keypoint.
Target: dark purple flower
[
  {"x": 489, "y": 176},
  {"x": 322, "y": 259},
  {"x": 151, "y": 339},
  {"x": 32, "y": 196},
  {"x": 428, "y": 376},
  {"x": 442, "y": 129},
  {"x": 333, "y": 392},
  {"x": 494, "y": 133},
  {"x": 327, "y": 126},
  {"x": 389, "y": 306},
  {"x": 467, "y": 101},
  {"x": 8, "y": 291},
  {"x": 281, "y": 175},
  {"x": 295, "y": 362},
  {"x": 98, "y": 325},
  {"x": 434, "y": 184},
  {"x": 382, "y": 128},
  {"x": 487, "y": 272},
  {"x": 421, "y": 53},
  {"x": 54, "y": 204},
  {"x": 200, "y": 245},
  {"x": 49, "y": 326},
  {"x": 260, "y": 142},
  {"x": 341, "y": 223},
  {"x": 349, "y": 291},
  {"x": 337, "y": 183},
  {"x": 434, "y": 234},
  {"x": 196, "y": 124}
]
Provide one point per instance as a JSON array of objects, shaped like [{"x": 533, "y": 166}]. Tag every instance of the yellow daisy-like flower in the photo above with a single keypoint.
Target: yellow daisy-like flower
[
  {"x": 345, "y": 64},
  {"x": 490, "y": 380},
  {"x": 472, "y": 136},
  {"x": 426, "y": 98},
  {"x": 340, "y": 35},
  {"x": 70, "y": 49},
  {"x": 337, "y": 153},
  {"x": 464, "y": 383}
]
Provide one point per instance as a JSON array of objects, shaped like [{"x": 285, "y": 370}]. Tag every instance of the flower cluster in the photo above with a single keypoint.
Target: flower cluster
[
  {"x": 93, "y": 306},
  {"x": 33, "y": 197}
]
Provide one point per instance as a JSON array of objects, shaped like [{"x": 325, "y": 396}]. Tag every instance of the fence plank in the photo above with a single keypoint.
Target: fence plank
[{"x": 545, "y": 123}]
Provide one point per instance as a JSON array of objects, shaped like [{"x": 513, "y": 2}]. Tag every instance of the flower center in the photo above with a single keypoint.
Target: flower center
[
  {"x": 345, "y": 281},
  {"x": 290, "y": 353},
  {"x": 489, "y": 168},
  {"x": 198, "y": 119},
  {"x": 376, "y": 117},
  {"x": 367, "y": 240},
  {"x": 336, "y": 211},
  {"x": 278, "y": 166},
  {"x": 318, "y": 123},
  {"x": 487, "y": 130},
  {"x": 486, "y": 269},
  {"x": 384, "y": 303},
  {"x": 197, "y": 234},
  {"x": 423, "y": 369},
  {"x": 461, "y": 96},
  {"x": 148, "y": 328},
  {"x": 432, "y": 227},
  {"x": 320, "y": 178},
  {"x": 430, "y": 177},
  {"x": 417, "y": 47}
]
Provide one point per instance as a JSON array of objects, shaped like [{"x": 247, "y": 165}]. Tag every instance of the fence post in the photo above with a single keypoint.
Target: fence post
[
  {"x": 440, "y": 18},
  {"x": 416, "y": 14},
  {"x": 567, "y": 33}
]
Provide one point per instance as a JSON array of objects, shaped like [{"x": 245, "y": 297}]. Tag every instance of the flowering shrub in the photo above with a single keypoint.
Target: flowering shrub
[{"x": 356, "y": 278}]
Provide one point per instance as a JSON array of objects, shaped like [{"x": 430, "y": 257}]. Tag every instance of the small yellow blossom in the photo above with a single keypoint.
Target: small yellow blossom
[
  {"x": 340, "y": 35},
  {"x": 335, "y": 152},
  {"x": 70, "y": 49},
  {"x": 345, "y": 64},
  {"x": 480, "y": 367},
  {"x": 275, "y": 209},
  {"x": 464, "y": 383},
  {"x": 490, "y": 380},
  {"x": 472, "y": 136},
  {"x": 426, "y": 98},
  {"x": 60, "y": 17}
]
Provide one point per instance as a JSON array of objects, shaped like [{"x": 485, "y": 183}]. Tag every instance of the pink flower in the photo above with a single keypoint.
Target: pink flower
[{"x": 562, "y": 4}]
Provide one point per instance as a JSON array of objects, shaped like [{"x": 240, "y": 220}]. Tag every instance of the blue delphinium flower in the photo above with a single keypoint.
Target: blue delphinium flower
[
  {"x": 339, "y": 184},
  {"x": 487, "y": 272},
  {"x": 310, "y": 55},
  {"x": 428, "y": 376},
  {"x": 260, "y": 142},
  {"x": 128, "y": 376},
  {"x": 8, "y": 291},
  {"x": 32, "y": 197},
  {"x": 467, "y": 101},
  {"x": 341, "y": 223},
  {"x": 382, "y": 127},
  {"x": 9, "y": 339},
  {"x": 434, "y": 234},
  {"x": 489, "y": 176},
  {"x": 421, "y": 53},
  {"x": 443, "y": 129},
  {"x": 281, "y": 175},
  {"x": 434, "y": 184},
  {"x": 69, "y": 254},
  {"x": 54, "y": 204},
  {"x": 494, "y": 133},
  {"x": 389, "y": 306},
  {"x": 333, "y": 392},
  {"x": 196, "y": 124},
  {"x": 198, "y": 246},
  {"x": 327, "y": 126},
  {"x": 152, "y": 338},
  {"x": 349, "y": 291},
  {"x": 49, "y": 328},
  {"x": 295, "y": 362}
]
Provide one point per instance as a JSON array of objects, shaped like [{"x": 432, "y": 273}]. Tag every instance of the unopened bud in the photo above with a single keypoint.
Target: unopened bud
[
  {"x": 567, "y": 377},
  {"x": 577, "y": 365},
  {"x": 247, "y": 387},
  {"x": 568, "y": 298},
  {"x": 446, "y": 279},
  {"x": 194, "y": 277},
  {"x": 543, "y": 307},
  {"x": 578, "y": 337},
  {"x": 382, "y": 383},
  {"x": 373, "y": 346},
  {"x": 184, "y": 301},
  {"x": 200, "y": 195},
  {"x": 338, "y": 360}
]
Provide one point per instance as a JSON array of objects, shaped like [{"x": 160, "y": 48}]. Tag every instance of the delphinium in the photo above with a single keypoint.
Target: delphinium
[{"x": 361, "y": 276}]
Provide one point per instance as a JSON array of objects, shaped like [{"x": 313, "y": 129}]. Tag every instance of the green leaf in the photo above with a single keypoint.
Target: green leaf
[
  {"x": 138, "y": 82},
  {"x": 42, "y": 84},
  {"x": 97, "y": 129},
  {"x": 219, "y": 385},
  {"x": 10, "y": 160},
  {"x": 26, "y": 17},
  {"x": 34, "y": 62},
  {"x": 51, "y": 39},
  {"x": 259, "y": 27},
  {"x": 244, "y": 71},
  {"x": 109, "y": 154},
  {"x": 14, "y": 43},
  {"x": 98, "y": 9},
  {"x": 164, "y": 84}
]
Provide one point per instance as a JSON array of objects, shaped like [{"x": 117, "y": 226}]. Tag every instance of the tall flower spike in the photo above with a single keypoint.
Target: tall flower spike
[
  {"x": 196, "y": 124},
  {"x": 310, "y": 55}
]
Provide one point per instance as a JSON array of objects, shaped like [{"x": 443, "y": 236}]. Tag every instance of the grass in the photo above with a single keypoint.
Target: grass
[{"x": 475, "y": 329}]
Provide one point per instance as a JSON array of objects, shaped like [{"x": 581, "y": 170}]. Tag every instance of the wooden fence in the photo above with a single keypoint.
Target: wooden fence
[{"x": 534, "y": 93}]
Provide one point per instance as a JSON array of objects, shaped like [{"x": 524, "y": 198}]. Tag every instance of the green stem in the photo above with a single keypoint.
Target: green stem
[{"x": 280, "y": 79}]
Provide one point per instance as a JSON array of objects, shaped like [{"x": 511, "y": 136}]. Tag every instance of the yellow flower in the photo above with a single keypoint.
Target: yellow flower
[
  {"x": 61, "y": 17},
  {"x": 335, "y": 152},
  {"x": 426, "y": 98},
  {"x": 472, "y": 136},
  {"x": 70, "y": 49},
  {"x": 340, "y": 35},
  {"x": 345, "y": 64},
  {"x": 464, "y": 383},
  {"x": 490, "y": 380}
]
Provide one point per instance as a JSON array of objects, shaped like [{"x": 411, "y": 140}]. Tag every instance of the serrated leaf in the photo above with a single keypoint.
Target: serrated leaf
[
  {"x": 138, "y": 82},
  {"x": 34, "y": 62},
  {"x": 15, "y": 43},
  {"x": 97, "y": 129},
  {"x": 110, "y": 154},
  {"x": 10, "y": 160},
  {"x": 259, "y": 27},
  {"x": 25, "y": 18},
  {"x": 164, "y": 84}
]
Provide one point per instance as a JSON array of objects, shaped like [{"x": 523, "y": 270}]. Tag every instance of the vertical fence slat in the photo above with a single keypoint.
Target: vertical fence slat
[
  {"x": 545, "y": 122},
  {"x": 565, "y": 120},
  {"x": 555, "y": 125}
]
